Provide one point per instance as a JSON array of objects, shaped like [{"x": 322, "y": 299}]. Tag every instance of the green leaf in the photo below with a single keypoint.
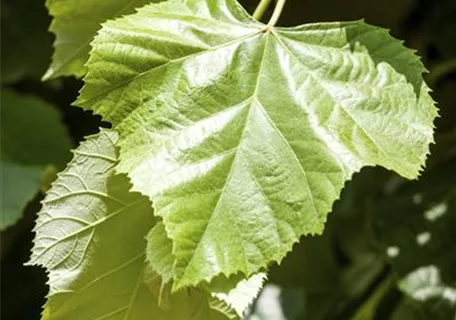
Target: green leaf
[
  {"x": 243, "y": 135},
  {"x": 239, "y": 294},
  {"x": 90, "y": 238},
  {"x": 235, "y": 293},
  {"x": 19, "y": 185},
  {"x": 415, "y": 228},
  {"x": 31, "y": 131},
  {"x": 160, "y": 252},
  {"x": 32, "y": 137},
  {"x": 75, "y": 24},
  {"x": 189, "y": 303}
]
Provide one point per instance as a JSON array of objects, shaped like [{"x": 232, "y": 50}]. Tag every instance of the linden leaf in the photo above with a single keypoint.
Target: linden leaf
[
  {"x": 189, "y": 303},
  {"x": 243, "y": 134},
  {"x": 75, "y": 24},
  {"x": 90, "y": 238}
]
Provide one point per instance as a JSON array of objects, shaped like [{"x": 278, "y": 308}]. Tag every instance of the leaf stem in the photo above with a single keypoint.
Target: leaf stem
[
  {"x": 277, "y": 12},
  {"x": 261, "y": 9}
]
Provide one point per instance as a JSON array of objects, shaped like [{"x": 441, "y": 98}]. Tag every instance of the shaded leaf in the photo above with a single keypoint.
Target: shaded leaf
[
  {"x": 235, "y": 293},
  {"x": 32, "y": 137},
  {"x": 19, "y": 185},
  {"x": 189, "y": 303},
  {"x": 74, "y": 24}
]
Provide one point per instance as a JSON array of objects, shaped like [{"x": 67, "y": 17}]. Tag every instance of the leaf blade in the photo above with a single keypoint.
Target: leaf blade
[
  {"x": 74, "y": 25},
  {"x": 243, "y": 156}
]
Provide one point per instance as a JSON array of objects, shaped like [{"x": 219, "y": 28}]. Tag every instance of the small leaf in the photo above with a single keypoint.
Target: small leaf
[
  {"x": 32, "y": 137},
  {"x": 75, "y": 24},
  {"x": 243, "y": 135},
  {"x": 241, "y": 296}
]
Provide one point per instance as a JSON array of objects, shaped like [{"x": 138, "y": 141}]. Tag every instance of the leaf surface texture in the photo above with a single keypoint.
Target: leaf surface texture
[
  {"x": 243, "y": 135},
  {"x": 90, "y": 237},
  {"x": 74, "y": 24}
]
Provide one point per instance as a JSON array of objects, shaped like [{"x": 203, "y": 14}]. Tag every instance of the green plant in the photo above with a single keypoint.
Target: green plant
[{"x": 231, "y": 139}]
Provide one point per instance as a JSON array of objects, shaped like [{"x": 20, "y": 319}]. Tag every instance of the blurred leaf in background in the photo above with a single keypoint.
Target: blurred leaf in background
[
  {"x": 75, "y": 24},
  {"x": 32, "y": 138}
]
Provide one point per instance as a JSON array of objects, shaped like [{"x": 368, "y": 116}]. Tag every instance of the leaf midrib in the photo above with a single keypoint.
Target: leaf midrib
[{"x": 254, "y": 97}]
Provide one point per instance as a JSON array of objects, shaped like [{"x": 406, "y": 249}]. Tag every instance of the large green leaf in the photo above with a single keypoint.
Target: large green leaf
[
  {"x": 75, "y": 24},
  {"x": 243, "y": 134},
  {"x": 90, "y": 236},
  {"x": 32, "y": 137},
  {"x": 416, "y": 230}
]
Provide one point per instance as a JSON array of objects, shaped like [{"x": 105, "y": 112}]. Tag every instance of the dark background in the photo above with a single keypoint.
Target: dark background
[{"x": 427, "y": 26}]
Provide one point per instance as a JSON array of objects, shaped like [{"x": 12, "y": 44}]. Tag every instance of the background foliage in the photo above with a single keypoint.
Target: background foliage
[{"x": 384, "y": 231}]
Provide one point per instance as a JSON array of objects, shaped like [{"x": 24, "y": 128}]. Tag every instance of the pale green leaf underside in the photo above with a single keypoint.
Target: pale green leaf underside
[
  {"x": 31, "y": 137},
  {"x": 243, "y": 135},
  {"x": 90, "y": 236},
  {"x": 243, "y": 294},
  {"x": 74, "y": 24}
]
